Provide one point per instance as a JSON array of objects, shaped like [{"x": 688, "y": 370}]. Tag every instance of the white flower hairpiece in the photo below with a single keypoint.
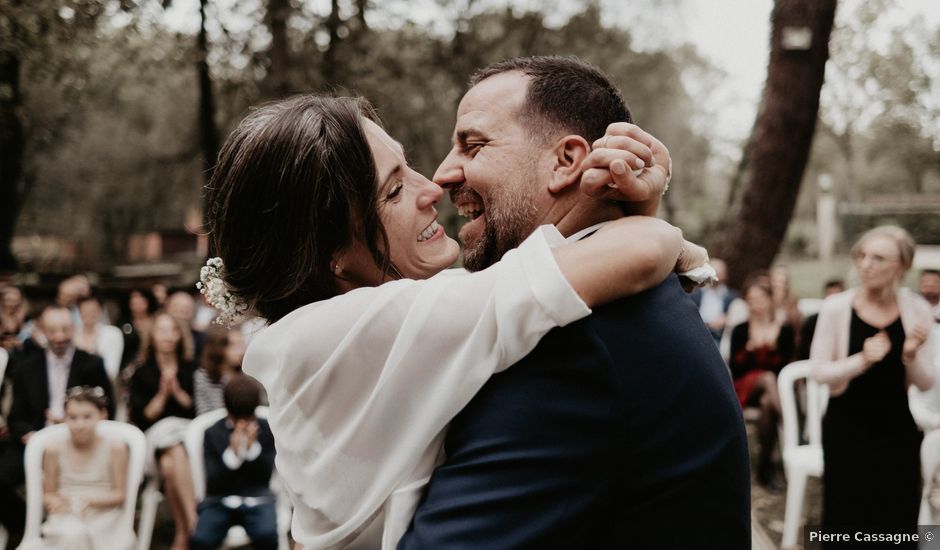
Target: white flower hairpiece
[{"x": 231, "y": 309}]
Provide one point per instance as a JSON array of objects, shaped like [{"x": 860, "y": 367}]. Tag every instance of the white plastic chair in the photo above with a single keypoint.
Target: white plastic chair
[
  {"x": 130, "y": 435},
  {"x": 195, "y": 435},
  {"x": 799, "y": 461},
  {"x": 929, "y": 460}
]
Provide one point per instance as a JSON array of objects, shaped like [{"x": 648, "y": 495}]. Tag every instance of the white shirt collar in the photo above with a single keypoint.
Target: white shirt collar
[{"x": 65, "y": 360}]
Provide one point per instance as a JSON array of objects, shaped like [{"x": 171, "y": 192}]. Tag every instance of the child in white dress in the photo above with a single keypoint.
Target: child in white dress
[{"x": 84, "y": 478}]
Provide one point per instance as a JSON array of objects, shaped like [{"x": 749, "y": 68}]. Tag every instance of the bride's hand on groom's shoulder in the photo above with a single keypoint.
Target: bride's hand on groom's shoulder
[
  {"x": 628, "y": 165},
  {"x": 693, "y": 267}
]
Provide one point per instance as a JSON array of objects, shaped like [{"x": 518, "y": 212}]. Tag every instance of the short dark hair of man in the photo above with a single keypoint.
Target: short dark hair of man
[
  {"x": 930, "y": 272},
  {"x": 566, "y": 95},
  {"x": 242, "y": 395},
  {"x": 834, "y": 283}
]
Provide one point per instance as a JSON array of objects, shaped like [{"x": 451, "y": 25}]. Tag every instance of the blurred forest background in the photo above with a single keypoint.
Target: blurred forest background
[{"x": 118, "y": 110}]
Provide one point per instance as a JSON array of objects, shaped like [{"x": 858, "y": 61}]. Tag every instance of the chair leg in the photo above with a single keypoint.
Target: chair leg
[
  {"x": 150, "y": 500},
  {"x": 796, "y": 491}
]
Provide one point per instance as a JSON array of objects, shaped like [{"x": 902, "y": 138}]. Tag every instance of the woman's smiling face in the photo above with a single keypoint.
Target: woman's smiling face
[{"x": 418, "y": 246}]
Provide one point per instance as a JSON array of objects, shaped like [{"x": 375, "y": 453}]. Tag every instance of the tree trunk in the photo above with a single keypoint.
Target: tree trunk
[
  {"x": 361, "y": 6},
  {"x": 276, "y": 17},
  {"x": 12, "y": 149},
  {"x": 782, "y": 135},
  {"x": 207, "y": 131},
  {"x": 329, "y": 56}
]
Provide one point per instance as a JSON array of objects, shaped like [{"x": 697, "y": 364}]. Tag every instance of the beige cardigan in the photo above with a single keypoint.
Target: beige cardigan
[{"x": 831, "y": 363}]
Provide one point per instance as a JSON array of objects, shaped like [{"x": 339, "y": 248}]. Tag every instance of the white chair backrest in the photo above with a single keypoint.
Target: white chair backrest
[
  {"x": 195, "y": 435},
  {"x": 129, "y": 434},
  {"x": 929, "y": 461},
  {"x": 816, "y": 397}
]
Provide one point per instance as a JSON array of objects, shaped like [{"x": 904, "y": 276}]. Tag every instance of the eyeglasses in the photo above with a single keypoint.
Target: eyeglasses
[
  {"x": 876, "y": 259},
  {"x": 83, "y": 391}
]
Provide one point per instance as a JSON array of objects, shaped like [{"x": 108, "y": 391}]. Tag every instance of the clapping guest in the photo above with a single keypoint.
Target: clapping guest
[
  {"x": 871, "y": 344},
  {"x": 221, "y": 358},
  {"x": 182, "y": 306},
  {"x": 161, "y": 402},
  {"x": 760, "y": 348}
]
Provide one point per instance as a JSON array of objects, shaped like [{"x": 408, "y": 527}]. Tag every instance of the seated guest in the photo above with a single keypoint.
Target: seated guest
[
  {"x": 15, "y": 324},
  {"x": 929, "y": 287},
  {"x": 221, "y": 358},
  {"x": 239, "y": 458},
  {"x": 182, "y": 306},
  {"x": 833, "y": 286},
  {"x": 136, "y": 318},
  {"x": 96, "y": 336},
  {"x": 161, "y": 403},
  {"x": 714, "y": 300},
  {"x": 786, "y": 304},
  {"x": 760, "y": 347},
  {"x": 40, "y": 381},
  {"x": 84, "y": 482}
]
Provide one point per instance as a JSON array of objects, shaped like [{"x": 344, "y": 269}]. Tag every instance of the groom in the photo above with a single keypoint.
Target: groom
[{"x": 621, "y": 430}]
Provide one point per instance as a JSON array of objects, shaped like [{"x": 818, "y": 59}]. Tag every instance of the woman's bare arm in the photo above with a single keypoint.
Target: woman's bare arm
[
  {"x": 115, "y": 497},
  {"x": 625, "y": 257}
]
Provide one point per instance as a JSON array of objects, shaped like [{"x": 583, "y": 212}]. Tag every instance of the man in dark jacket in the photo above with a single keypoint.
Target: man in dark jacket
[
  {"x": 621, "y": 430},
  {"x": 40, "y": 382}
]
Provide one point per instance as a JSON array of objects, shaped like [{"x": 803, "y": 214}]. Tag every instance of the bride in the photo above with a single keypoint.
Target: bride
[{"x": 372, "y": 345}]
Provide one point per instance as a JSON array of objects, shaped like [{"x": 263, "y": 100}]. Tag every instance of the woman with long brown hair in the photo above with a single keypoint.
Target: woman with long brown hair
[
  {"x": 161, "y": 403},
  {"x": 325, "y": 231}
]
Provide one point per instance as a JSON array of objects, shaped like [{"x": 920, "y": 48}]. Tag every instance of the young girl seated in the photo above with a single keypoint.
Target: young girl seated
[{"x": 84, "y": 478}]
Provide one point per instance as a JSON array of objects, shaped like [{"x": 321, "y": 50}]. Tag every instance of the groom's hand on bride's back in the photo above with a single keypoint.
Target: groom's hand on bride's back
[{"x": 627, "y": 165}]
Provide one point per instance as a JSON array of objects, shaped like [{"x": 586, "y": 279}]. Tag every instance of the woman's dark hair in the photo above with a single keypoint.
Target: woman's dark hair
[
  {"x": 152, "y": 305},
  {"x": 213, "y": 352},
  {"x": 295, "y": 183},
  {"x": 241, "y": 395}
]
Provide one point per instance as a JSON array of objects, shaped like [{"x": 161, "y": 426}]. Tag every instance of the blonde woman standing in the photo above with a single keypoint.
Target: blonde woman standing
[{"x": 871, "y": 344}]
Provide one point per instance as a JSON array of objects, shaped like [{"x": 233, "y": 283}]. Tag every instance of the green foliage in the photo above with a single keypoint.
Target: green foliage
[{"x": 125, "y": 157}]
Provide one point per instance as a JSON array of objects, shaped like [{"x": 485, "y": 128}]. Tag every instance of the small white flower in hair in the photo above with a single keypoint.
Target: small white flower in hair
[{"x": 231, "y": 310}]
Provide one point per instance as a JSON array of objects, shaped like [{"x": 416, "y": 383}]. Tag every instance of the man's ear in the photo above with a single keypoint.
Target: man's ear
[{"x": 569, "y": 152}]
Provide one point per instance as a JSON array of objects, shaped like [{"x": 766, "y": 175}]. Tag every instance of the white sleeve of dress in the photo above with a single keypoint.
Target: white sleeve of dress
[{"x": 362, "y": 385}]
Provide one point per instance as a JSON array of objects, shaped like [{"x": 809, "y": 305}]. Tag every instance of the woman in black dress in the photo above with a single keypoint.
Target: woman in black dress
[
  {"x": 870, "y": 345},
  {"x": 760, "y": 348},
  {"x": 161, "y": 403}
]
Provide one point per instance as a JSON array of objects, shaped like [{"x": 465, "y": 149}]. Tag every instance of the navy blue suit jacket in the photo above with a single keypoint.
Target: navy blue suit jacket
[{"x": 621, "y": 430}]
